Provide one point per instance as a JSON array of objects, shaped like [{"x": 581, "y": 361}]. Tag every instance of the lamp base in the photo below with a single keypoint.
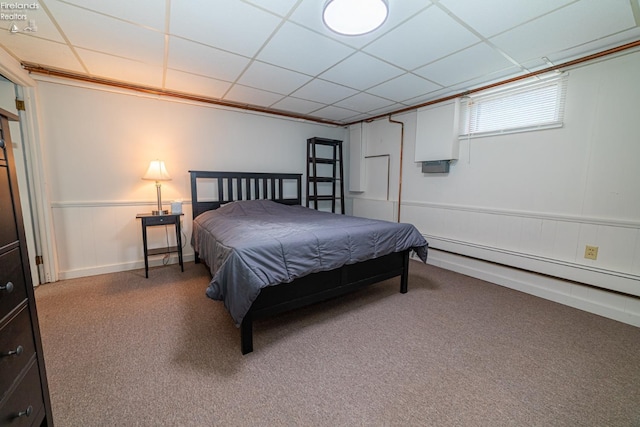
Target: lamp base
[{"x": 162, "y": 212}]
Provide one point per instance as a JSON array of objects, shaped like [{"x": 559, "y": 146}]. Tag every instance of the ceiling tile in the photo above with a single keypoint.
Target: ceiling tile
[
  {"x": 364, "y": 102},
  {"x": 335, "y": 113},
  {"x": 420, "y": 99},
  {"x": 356, "y": 118},
  {"x": 279, "y": 7},
  {"x": 296, "y": 105},
  {"x": 361, "y": 71},
  {"x": 571, "y": 26},
  {"x": 476, "y": 61},
  {"x": 121, "y": 69},
  {"x": 534, "y": 64},
  {"x": 55, "y": 55},
  {"x": 404, "y": 87},
  {"x": 420, "y": 40},
  {"x": 104, "y": 34},
  {"x": 191, "y": 83},
  {"x": 490, "y": 17},
  {"x": 302, "y": 50},
  {"x": 598, "y": 45},
  {"x": 249, "y": 95},
  {"x": 275, "y": 79},
  {"x": 149, "y": 13},
  {"x": 489, "y": 79},
  {"x": 230, "y": 25},
  {"x": 388, "y": 109},
  {"x": 204, "y": 60},
  {"x": 324, "y": 92}
]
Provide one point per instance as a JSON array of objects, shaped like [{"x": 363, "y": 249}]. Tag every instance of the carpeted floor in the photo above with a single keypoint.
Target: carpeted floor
[{"x": 123, "y": 350}]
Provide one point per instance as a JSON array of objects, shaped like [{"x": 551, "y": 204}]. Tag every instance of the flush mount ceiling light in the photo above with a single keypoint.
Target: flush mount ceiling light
[{"x": 354, "y": 17}]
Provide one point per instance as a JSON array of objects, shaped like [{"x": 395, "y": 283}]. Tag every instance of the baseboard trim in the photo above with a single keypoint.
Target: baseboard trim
[
  {"x": 115, "y": 268},
  {"x": 623, "y": 308},
  {"x": 606, "y": 279}
]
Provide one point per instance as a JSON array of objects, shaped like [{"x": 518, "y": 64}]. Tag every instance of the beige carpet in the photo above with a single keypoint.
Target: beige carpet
[{"x": 123, "y": 350}]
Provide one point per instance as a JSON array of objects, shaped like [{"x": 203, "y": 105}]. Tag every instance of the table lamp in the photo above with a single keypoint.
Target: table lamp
[{"x": 157, "y": 172}]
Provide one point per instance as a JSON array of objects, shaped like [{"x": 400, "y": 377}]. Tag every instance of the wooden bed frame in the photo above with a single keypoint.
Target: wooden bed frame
[{"x": 316, "y": 287}]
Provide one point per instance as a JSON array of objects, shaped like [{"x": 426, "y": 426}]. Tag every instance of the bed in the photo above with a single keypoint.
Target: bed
[{"x": 268, "y": 254}]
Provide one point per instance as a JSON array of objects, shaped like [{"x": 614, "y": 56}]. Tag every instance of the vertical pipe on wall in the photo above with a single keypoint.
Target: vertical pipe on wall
[{"x": 401, "y": 151}]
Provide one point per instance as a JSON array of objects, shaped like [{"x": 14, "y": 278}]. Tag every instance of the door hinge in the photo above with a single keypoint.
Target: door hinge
[
  {"x": 20, "y": 105},
  {"x": 39, "y": 260}
]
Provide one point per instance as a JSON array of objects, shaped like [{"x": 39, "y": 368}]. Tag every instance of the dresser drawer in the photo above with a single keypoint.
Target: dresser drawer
[
  {"x": 16, "y": 349},
  {"x": 12, "y": 279},
  {"x": 23, "y": 407}
]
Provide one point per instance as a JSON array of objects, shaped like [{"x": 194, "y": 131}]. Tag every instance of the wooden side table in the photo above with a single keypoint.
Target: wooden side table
[{"x": 150, "y": 220}]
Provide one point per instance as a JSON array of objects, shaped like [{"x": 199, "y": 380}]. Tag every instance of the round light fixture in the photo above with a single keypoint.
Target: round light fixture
[{"x": 354, "y": 17}]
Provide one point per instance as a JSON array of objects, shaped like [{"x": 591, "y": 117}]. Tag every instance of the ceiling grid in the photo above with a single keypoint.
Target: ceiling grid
[{"x": 277, "y": 55}]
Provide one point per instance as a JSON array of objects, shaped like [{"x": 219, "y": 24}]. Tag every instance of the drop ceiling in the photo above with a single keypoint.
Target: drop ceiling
[{"x": 276, "y": 55}]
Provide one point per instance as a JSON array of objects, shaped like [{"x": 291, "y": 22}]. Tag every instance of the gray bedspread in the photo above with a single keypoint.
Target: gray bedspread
[{"x": 252, "y": 244}]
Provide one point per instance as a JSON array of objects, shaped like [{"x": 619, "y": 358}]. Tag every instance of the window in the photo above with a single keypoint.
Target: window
[{"x": 526, "y": 107}]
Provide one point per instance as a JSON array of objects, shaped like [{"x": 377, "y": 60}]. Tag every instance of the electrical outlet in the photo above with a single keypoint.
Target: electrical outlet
[{"x": 591, "y": 252}]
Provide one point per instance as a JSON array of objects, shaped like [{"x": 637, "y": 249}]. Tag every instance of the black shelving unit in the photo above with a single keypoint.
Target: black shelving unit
[{"x": 324, "y": 167}]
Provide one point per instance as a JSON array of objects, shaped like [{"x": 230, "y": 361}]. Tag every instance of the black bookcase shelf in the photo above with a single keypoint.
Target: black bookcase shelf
[{"x": 323, "y": 151}]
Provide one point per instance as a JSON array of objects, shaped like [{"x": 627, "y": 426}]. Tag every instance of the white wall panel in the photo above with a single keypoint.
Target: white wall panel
[
  {"x": 531, "y": 236},
  {"x": 424, "y": 218},
  {"x": 566, "y": 241},
  {"x": 616, "y": 246},
  {"x": 377, "y": 185},
  {"x": 105, "y": 237},
  {"x": 509, "y": 232},
  {"x": 374, "y": 209},
  {"x": 480, "y": 227},
  {"x": 356, "y": 158},
  {"x": 437, "y": 132}
]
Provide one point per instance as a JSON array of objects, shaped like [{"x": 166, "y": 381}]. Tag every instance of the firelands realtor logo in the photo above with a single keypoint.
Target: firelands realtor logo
[{"x": 18, "y": 13}]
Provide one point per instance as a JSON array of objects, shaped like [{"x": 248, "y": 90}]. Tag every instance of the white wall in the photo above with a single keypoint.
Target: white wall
[
  {"x": 534, "y": 200},
  {"x": 99, "y": 142}
]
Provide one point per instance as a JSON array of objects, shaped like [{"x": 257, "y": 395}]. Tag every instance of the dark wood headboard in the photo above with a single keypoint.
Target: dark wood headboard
[{"x": 233, "y": 186}]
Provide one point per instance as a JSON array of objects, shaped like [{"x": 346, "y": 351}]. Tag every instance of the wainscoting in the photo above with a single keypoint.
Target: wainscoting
[
  {"x": 622, "y": 308},
  {"x": 104, "y": 237},
  {"x": 375, "y": 209},
  {"x": 545, "y": 251},
  {"x": 530, "y": 252}
]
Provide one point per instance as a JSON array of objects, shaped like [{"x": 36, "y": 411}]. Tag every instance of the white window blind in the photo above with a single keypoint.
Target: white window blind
[{"x": 531, "y": 106}]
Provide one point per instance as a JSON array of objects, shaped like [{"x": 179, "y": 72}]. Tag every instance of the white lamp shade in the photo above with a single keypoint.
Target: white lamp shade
[
  {"x": 354, "y": 17},
  {"x": 157, "y": 172}
]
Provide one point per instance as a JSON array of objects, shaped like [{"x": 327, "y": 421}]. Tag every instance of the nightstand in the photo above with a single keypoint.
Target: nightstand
[{"x": 150, "y": 220}]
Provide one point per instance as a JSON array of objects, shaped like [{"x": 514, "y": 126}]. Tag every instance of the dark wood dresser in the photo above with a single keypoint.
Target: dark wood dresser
[{"x": 24, "y": 394}]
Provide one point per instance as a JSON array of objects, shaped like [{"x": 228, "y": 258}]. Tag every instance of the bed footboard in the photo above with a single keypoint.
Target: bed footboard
[{"x": 322, "y": 286}]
